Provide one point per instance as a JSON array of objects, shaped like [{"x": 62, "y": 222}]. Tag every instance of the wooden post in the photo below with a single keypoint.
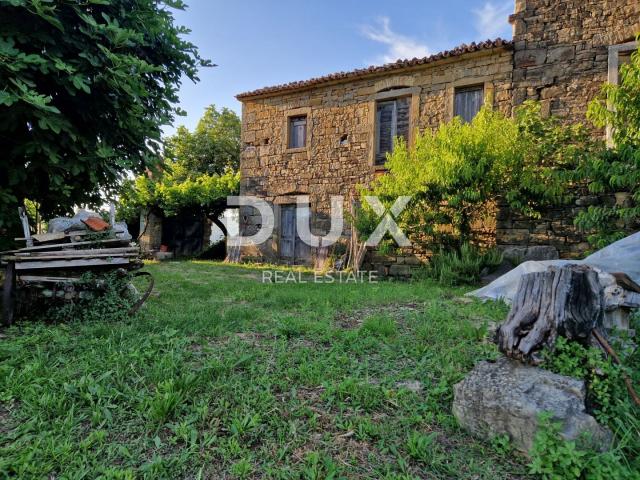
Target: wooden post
[
  {"x": 25, "y": 226},
  {"x": 112, "y": 215}
]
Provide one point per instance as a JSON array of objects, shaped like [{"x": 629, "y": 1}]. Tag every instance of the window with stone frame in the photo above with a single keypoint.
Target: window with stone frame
[
  {"x": 468, "y": 101},
  {"x": 619, "y": 55},
  {"x": 298, "y": 131},
  {"x": 392, "y": 120}
]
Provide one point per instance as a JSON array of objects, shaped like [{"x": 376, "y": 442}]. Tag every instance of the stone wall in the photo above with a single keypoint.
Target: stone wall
[
  {"x": 561, "y": 50},
  {"x": 561, "y": 55},
  {"x": 341, "y": 118}
]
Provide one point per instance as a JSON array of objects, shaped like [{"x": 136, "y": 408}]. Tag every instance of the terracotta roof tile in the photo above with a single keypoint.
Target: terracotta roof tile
[{"x": 400, "y": 64}]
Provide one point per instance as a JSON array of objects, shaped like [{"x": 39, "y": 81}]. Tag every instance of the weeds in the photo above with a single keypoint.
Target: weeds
[
  {"x": 463, "y": 267},
  {"x": 221, "y": 376}
]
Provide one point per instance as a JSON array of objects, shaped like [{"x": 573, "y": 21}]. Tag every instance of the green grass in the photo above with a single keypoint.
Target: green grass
[{"x": 222, "y": 376}]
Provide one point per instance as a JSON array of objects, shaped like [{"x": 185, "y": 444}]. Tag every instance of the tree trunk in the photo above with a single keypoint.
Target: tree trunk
[
  {"x": 218, "y": 223},
  {"x": 566, "y": 301}
]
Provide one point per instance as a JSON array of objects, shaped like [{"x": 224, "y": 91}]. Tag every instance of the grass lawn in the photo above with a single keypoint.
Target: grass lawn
[{"x": 222, "y": 376}]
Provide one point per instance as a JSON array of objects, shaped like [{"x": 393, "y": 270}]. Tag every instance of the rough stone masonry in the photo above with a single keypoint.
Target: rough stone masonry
[{"x": 561, "y": 53}]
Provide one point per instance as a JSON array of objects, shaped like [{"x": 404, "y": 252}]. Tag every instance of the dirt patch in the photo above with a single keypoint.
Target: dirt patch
[
  {"x": 354, "y": 319},
  {"x": 6, "y": 423}
]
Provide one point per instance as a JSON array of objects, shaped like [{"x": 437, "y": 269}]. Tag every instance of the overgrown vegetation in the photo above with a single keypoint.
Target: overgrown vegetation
[
  {"x": 608, "y": 400},
  {"x": 199, "y": 172},
  {"x": 459, "y": 173},
  {"x": 615, "y": 172},
  {"x": 463, "y": 267},
  {"x": 222, "y": 376},
  {"x": 103, "y": 297}
]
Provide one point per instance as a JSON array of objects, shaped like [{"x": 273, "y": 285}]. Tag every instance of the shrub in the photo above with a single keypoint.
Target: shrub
[
  {"x": 463, "y": 266},
  {"x": 105, "y": 297},
  {"x": 616, "y": 170},
  {"x": 608, "y": 400},
  {"x": 457, "y": 174}
]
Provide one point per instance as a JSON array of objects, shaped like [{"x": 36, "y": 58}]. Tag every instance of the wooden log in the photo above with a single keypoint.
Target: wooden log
[
  {"x": 566, "y": 301},
  {"x": 78, "y": 256}
]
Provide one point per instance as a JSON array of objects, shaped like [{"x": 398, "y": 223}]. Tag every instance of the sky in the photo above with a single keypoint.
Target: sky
[{"x": 258, "y": 43}]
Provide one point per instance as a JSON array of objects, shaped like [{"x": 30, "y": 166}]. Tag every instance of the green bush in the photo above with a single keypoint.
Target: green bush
[
  {"x": 457, "y": 175},
  {"x": 608, "y": 400},
  {"x": 106, "y": 297},
  {"x": 464, "y": 266},
  {"x": 616, "y": 170}
]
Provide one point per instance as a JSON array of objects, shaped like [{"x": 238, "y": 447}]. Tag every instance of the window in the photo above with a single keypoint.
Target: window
[
  {"x": 619, "y": 55},
  {"x": 392, "y": 120},
  {"x": 298, "y": 131},
  {"x": 468, "y": 101}
]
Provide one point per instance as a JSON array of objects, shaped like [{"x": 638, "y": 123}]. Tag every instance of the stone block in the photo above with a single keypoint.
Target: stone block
[
  {"x": 507, "y": 397},
  {"x": 530, "y": 58},
  {"x": 400, "y": 270},
  {"x": 561, "y": 54}
]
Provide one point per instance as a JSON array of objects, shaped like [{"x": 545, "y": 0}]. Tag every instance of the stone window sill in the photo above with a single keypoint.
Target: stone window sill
[
  {"x": 297, "y": 150},
  {"x": 380, "y": 168}
]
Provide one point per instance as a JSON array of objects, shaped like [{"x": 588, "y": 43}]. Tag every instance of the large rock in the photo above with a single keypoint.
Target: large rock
[{"x": 506, "y": 397}]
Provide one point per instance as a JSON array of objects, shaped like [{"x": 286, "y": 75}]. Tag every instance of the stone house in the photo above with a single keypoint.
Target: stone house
[{"x": 324, "y": 136}]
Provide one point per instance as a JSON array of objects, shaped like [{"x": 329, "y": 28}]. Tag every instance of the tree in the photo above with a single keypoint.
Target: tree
[
  {"x": 214, "y": 145},
  {"x": 199, "y": 172},
  {"x": 85, "y": 89}
]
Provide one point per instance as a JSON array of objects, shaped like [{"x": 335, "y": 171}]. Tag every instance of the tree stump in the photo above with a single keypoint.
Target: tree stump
[{"x": 566, "y": 301}]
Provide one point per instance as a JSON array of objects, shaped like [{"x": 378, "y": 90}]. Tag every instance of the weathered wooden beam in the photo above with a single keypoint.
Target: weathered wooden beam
[
  {"x": 25, "y": 226},
  {"x": 58, "y": 246},
  {"x": 18, "y": 259},
  {"x": 78, "y": 252},
  {"x": 78, "y": 263}
]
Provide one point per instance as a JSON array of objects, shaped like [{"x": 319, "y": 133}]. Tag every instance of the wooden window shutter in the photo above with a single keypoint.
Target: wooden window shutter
[
  {"x": 386, "y": 129},
  {"x": 468, "y": 102},
  {"x": 403, "y": 107},
  {"x": 297, "y": 132}
]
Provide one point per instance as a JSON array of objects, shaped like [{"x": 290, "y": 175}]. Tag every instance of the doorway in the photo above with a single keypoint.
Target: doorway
[{"x": 292, "y": 249}]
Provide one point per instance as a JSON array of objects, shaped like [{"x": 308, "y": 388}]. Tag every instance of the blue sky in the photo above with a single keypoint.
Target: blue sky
[{"x": 257, "y": 43}]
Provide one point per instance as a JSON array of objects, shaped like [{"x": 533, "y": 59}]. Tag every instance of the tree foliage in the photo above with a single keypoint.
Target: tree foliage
[
  {"x": 175, "y": 190},
  {"x": 615, "y": 171},
  {"x": 86, "y": 87},
  {"x": 213, "y": 147},
  {"x": 199, "y": 172},
  {"x": 455, "y": 174}
]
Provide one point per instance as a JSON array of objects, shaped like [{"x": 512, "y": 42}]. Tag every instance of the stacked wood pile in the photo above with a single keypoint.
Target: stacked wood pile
[{"x": 52, "y": 263}]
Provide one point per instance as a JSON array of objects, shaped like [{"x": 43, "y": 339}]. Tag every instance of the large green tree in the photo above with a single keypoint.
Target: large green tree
[
  {"x": 213, "y": 147},
  {"x": 85, "y": 88},
  {"x": 199, "y": 172}
]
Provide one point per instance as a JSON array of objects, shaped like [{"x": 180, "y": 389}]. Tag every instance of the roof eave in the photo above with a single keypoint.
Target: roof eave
[{"x": 400, "y": 66}]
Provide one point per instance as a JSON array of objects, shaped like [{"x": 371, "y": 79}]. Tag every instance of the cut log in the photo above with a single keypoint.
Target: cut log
[{"x": 566, "y": 301}]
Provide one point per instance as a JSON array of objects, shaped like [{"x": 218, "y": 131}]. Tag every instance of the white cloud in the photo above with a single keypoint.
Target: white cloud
[
  {"x": 398, "y": 46},
  {"x": 492, "y": 20}
]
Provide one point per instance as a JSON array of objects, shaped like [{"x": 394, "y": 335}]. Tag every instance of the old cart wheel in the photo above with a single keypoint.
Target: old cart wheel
[{"x": 9, "y": 294}]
